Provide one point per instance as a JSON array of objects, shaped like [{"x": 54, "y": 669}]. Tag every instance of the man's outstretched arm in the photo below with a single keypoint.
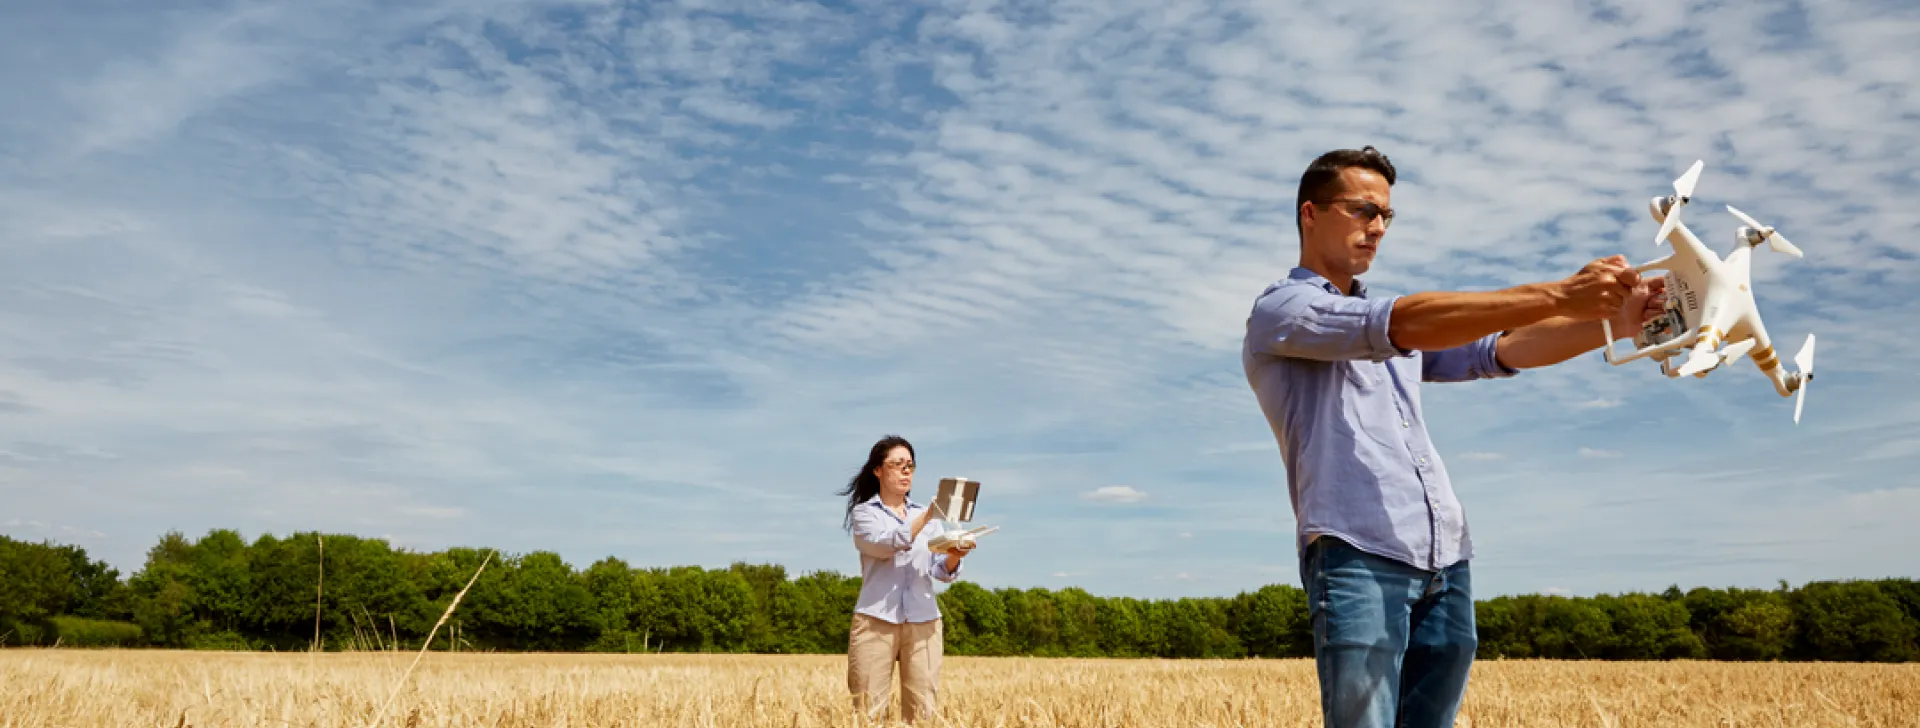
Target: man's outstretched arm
[
  {"x": 1432, "y": 321},
  {"x": 1561, "y": 338},
  {"x": 1312, "y": 324}
]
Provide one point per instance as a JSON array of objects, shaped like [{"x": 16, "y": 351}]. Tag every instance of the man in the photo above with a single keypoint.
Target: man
[{"x": 1383, "y": 542}]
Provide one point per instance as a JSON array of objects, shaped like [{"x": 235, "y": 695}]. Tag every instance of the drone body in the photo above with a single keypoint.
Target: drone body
[{"x": 1710, "y": 302}]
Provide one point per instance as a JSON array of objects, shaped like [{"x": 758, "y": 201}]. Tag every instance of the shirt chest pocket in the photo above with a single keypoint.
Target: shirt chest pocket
[{"x": 1363, "y": 375}]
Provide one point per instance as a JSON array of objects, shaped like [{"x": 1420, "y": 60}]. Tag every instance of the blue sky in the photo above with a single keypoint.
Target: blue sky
[{"x": 647, "y": 279}]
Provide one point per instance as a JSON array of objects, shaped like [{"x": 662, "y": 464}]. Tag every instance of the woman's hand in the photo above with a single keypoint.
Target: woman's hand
[
  {"x": 958, "y": 552},
  {"x": 918, "y": 524}
]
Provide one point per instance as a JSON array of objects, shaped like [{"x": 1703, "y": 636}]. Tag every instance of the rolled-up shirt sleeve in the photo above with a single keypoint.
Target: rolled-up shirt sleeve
[
  {"x": 1474, "y": 360},
  {"x": 879, "y": 536},
  {"x": 940, "y": 573},
  {"x": 1307, "y": 322}
]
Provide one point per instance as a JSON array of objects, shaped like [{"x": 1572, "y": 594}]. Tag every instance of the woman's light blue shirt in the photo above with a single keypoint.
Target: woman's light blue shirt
[{"x": 897, "y": 574}]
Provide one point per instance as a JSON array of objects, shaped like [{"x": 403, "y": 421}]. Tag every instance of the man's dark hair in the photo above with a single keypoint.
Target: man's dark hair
[{"x": 1322, "y": 178}]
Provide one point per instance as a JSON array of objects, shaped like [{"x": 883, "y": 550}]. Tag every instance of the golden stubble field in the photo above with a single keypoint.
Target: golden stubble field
[{"x": 57, "y": 688}]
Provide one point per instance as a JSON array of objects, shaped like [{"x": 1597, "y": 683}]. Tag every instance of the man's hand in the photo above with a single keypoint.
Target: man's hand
[
  {"x": 1565, "y": 336},
  {"x": 1647, "y": 301},
  {"x": 1598, "y": 290}
]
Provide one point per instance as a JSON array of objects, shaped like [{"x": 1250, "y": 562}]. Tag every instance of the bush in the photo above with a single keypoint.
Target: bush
[
  {"x": 79, "y": 632},
  {"x": 219, "y": 641},
  {"x": 20, "y": 633}
]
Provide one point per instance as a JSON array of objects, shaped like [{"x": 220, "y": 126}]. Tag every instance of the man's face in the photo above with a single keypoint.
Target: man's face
[{"x": 1338, "y": 232}]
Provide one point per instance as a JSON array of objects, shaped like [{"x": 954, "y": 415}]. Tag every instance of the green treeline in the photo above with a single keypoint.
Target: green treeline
[{"x": 221, "y": 592}]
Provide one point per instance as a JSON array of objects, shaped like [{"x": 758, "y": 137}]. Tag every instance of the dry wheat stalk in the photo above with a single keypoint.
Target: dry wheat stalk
[{"x": 424, "y": 646}]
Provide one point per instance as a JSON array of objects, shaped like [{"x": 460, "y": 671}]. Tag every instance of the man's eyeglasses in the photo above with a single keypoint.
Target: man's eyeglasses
[
  {"x": 902, "y": 465},
  {"x": 1365, "y": 211}
]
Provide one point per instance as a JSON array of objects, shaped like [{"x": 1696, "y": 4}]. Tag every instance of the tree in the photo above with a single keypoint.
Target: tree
[
  {"x": 763, "y": 582},
  {"x": 1272, "y": 622},
  {"x": 609, "y": 586},
  {"x": 1852, "y": 621},
  {"x": 97, "y": 591},
  {"x": 164, "y": 600},
  {"x": 544, "y": 606},
  {"x": 38, "y": 583},
  {"x": 1741, "y": 624},
  {"x": 220, "y": 592},
  {"x": 1123, "y": 628},
  {"x": 1646, "y": 627},
  {"x": 985, "y": 619}
]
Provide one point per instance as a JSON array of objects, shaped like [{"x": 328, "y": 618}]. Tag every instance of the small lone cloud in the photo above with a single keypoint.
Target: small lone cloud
[
  {"x": 1559, "y": 591},
  {"x": 1482, "y": 456},
  {"x": 1114, "y": 494},
  {"x": 1599, "y": 403},
  {"x": 1186, "y": 535},
  {"x": 1587, "y": 452}
]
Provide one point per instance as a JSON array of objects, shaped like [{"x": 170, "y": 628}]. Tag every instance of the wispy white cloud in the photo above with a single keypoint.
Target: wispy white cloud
[
  {"x": 1114, "y": 494},
  {"x": 55, "y": 532},
  {"x": 617, "y": 278}
]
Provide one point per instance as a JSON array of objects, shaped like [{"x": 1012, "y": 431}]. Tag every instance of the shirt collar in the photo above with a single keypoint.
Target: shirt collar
[
  {"x": 875, "y": 500},
  {"x": 1308, "y": 276}
]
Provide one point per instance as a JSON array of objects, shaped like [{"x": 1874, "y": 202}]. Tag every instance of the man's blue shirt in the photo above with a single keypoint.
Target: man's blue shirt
[{"x": 1344, "y": 405}]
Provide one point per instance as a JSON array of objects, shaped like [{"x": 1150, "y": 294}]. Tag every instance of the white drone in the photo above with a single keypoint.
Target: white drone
[
  {"x": 954, "y": 503},
  {"x": 1710, "y": 302}
]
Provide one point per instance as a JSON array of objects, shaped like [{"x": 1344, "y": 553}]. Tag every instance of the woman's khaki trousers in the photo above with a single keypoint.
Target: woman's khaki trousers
[{"x": 874, "y": 646}]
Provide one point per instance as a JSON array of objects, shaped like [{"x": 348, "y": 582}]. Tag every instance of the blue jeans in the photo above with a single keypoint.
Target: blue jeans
[{"x": 1392, "y": 643}]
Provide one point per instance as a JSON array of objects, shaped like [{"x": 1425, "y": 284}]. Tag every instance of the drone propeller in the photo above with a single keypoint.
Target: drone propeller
[
  {"x": 1804, "y": 362},
  {"x": 1683, "y": 192},
  {"x": 1699, "y": 363},
  {"x": 1736, "y": 350},
  {"x": 1778, "y": 241}
]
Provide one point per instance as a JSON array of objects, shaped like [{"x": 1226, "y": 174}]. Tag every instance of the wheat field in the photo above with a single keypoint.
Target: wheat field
[{"x": 93, "y": 688}]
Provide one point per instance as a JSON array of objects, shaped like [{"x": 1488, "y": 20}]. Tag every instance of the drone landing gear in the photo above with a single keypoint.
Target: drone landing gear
[{"x": 1661, "y": 350}]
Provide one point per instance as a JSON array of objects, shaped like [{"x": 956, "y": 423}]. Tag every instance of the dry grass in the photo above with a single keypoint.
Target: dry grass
[{"x": 55, "y": 688}]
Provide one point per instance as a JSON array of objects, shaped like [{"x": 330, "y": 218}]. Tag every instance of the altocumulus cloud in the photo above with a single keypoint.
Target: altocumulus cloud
[{"x": 646, "y": 279}]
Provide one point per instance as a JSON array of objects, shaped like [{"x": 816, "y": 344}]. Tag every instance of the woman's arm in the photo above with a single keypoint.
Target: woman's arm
[
  {"x": 948, "y": 569},
  {"x": 880, "y": 537}
]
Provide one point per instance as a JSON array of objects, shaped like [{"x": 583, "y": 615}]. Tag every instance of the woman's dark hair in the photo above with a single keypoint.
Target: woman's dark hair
[{"x": 864, "y": 484}]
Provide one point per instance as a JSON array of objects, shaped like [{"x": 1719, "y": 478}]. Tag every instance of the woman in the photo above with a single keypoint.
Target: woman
[{"x": 896, "y": 617}]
